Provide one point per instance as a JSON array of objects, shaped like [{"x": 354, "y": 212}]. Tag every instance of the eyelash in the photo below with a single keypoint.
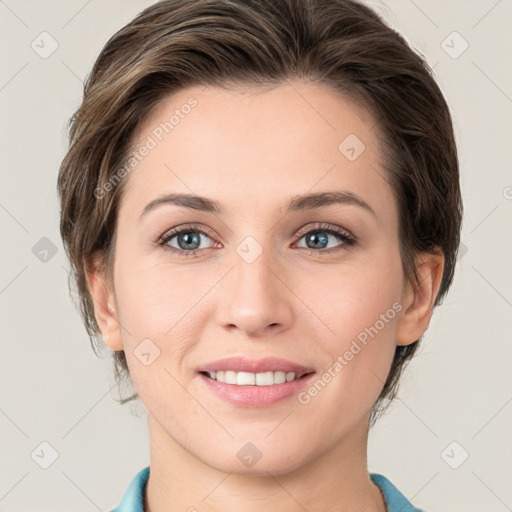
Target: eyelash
[{"x": 336, "y": 231}]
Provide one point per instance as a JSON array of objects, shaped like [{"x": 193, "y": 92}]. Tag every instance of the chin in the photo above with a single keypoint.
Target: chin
[{"x": 248, "y": 460}]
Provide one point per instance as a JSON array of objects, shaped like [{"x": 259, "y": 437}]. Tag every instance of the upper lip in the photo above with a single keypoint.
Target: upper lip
[{"x": 245, "y": 364}]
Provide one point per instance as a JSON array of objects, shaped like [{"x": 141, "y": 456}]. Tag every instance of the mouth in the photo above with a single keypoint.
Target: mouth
[
  {"x": 252, "y": 391},
  {"x": 254, "y": 383},
  {"x": 269, "y": 378}
]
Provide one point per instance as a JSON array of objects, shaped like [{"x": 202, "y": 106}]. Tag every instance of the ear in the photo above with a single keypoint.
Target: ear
[
  {"x": 104, "y": 302},
  {"x": 418, "y": 299}
]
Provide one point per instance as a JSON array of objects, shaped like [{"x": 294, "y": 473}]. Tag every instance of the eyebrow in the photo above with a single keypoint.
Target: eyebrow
[{"x": 305, "y": 202}]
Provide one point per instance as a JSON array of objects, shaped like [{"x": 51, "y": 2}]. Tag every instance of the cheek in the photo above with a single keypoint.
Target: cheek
[
  {"x": 361, "y": 311},
  {"x": 353, "y": 297},
  {"x": 152, "y": 299},
  {"x": 162, "y": 318},
  {"x": 361, "y": 308}
]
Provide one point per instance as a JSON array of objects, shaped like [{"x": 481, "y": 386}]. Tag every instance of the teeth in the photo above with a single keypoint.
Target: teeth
[{"x": 253, "y": 379}]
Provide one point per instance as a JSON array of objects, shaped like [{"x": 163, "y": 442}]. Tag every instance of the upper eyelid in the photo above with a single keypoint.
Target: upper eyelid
[
  {"x": 324, "y": 226},
  {"x": 185, "y": 227}
]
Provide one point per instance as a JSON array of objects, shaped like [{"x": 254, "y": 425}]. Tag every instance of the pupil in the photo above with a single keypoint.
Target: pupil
[
  {"x": 314, "y": 239},
  {"x": 186, "y": 237}
]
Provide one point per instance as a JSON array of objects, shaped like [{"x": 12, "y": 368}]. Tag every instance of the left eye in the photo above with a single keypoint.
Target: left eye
[{"x": 320, "y": 237}]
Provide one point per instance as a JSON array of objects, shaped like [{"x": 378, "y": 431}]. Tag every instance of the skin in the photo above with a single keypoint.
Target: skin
[{"x": 253, "y": 153}]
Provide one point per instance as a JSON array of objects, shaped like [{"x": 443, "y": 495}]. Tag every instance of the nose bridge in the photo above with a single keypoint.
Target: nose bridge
[
  {"x": 254, "y": 297},
  {"x": 254, "y": 268}
]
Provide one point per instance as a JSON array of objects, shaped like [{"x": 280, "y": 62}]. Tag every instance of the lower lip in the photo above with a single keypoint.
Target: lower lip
[{"x": 256, "y": 396}]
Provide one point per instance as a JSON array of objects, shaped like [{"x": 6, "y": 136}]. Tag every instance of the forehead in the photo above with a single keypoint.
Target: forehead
[{"x": 256, "y": 148}]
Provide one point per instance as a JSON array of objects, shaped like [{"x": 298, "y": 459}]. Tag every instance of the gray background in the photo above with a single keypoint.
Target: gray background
[{"x": 54, "y": 390}]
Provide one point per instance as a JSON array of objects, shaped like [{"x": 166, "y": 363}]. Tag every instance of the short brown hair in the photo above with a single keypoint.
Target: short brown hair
[{"x": 174, "y": 44}]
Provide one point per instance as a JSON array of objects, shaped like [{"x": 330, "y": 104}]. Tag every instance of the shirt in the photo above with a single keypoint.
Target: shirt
[{"x": 133, "y": 499}]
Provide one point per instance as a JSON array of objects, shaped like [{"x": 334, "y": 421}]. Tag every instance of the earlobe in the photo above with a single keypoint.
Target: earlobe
[
  {"x": 103, "y": 297},
  {"x": 419, "y": 299}
]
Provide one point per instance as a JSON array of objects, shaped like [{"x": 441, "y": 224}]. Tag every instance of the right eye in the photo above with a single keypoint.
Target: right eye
[{"x": 188, "y": 240}]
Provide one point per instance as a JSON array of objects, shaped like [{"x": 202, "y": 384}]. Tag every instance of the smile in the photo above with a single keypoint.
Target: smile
[
  {"x": 256, "y": 390},
  {"x": 253, "y": 379}
]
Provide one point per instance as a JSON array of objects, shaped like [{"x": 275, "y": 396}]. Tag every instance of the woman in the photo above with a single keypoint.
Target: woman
[{"x": 261, "y": 207}]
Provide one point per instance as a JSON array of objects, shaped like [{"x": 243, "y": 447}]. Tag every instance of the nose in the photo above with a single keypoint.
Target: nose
[{"x": 256, "y": 300}]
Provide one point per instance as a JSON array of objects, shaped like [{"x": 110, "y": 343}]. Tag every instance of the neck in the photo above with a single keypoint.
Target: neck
[{"x": 335, "y": 480}]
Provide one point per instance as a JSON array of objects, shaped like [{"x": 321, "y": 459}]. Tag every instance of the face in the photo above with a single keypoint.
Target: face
[{"x": 318, "y": 284}]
